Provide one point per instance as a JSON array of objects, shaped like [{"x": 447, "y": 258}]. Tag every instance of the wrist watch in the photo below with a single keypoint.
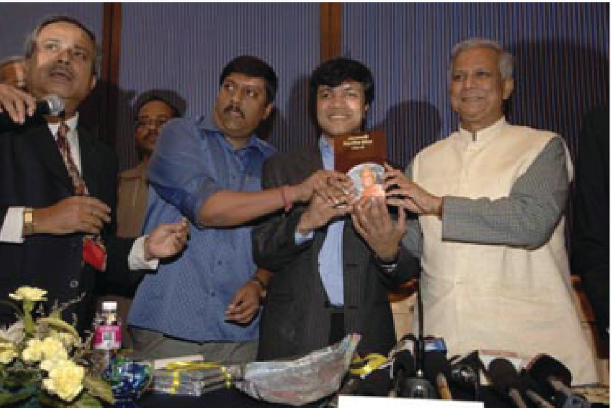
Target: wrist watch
[
  {"x": 28, "y": 221},
  {"x": 261, "y": 283}
]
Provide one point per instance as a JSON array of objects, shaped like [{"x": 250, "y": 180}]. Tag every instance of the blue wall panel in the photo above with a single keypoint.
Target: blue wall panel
[{"x": 18, "y": 19}]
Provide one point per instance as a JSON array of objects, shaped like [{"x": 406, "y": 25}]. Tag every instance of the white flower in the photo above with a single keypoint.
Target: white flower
[
  {"x": 65, "y": 379},
  {"x": 49, "y": 348},
  {"x": 29, "y": 293}
]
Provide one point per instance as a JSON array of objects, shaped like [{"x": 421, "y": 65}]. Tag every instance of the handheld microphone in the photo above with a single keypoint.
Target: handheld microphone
[
  {"x": 47, "y": 105},
  {"x": 505, "y": 380},
  {"x": 555, "y": 379}
]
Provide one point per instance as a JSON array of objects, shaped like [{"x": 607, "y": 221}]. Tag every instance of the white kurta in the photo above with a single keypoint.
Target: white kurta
[{"x": 482, "y": 296}]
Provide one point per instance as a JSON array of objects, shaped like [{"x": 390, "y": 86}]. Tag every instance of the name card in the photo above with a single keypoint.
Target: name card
[{"x": 355, "y": 401}]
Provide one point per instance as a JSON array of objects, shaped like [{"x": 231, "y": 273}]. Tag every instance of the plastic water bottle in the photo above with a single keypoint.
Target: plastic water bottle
[{"x": 107, "y": 333}]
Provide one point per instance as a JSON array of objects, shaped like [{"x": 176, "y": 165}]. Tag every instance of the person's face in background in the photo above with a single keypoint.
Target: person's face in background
[
  {"x": 477, "y": 90},
  {"x": 241, "y": 105},
  {"x": 62, "y": 64},
  {"x": 340, "y": 110},
  {"x": 151, "y": 117},
  {"x": 13, "y": 74}
]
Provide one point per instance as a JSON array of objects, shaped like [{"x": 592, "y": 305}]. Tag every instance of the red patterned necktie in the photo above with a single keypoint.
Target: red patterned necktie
[{"x": 94, "y": 252}]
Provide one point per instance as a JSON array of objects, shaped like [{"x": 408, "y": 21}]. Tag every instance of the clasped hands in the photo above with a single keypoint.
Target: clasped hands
[{"x": 333, "y": 195}]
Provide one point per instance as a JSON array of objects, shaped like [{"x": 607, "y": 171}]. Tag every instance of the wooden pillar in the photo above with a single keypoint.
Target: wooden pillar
[
  {"x": 111, "y": 46},
  {"x": 330, "y": 30}
]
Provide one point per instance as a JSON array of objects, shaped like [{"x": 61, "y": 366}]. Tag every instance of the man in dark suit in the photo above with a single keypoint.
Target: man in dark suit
[
  {"x": 53, "y": 198},
  {"x": 331, "y": 272},
  {"x": 590, "y": 240}
]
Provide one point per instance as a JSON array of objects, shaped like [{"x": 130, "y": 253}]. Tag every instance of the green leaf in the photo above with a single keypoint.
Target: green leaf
[
  {"x": 99, "y": 388},
  {"x": 13, "y": 306},
  {"x": 86, "y": 401},
  {"x": 21, "y": 395},
  {"x": 58, "y": 324},
  {"x": 49, "y": 401}
]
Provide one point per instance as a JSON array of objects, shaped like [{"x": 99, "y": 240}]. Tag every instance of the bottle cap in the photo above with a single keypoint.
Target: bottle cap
[{"x": 109, "y": 306}]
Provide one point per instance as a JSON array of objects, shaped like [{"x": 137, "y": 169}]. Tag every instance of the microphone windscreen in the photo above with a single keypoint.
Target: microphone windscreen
[
  {"x": 50, "y": 105},
  {"x": 404, "y": 361},
  {"x": 376, "y": 384},
  {"x": 435, "y": 362},
  {"x": 544, "y": 366},
  {"x": 503, "y": 375}
]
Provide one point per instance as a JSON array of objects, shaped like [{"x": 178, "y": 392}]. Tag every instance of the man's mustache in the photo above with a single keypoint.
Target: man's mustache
[
  {"x": 62, "y": 70},
  {"x": 234, "y": 108}
]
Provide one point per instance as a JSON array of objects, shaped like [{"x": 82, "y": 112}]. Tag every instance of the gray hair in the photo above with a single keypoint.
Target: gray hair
[
  {"x": 30, "y": 40},
  {"x": 505, "y": 58},
  {"x": 7, "y": 61}
]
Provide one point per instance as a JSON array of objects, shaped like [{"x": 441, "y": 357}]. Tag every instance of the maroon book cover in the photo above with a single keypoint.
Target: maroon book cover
[{"x": 352, "y": 150}]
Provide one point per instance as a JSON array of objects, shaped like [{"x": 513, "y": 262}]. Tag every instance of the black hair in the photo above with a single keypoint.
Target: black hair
[
  {"x": 174, "y": 101},
  {"x": 256, "y": 68},
  {"x": 336, "y": 71}
]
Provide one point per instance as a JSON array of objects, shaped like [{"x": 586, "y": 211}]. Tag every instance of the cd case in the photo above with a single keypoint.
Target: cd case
[{"x": 367, "y": 179}]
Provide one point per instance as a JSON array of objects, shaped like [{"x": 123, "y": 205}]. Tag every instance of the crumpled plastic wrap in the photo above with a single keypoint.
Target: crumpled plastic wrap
[{"x": 301, "y": 381}]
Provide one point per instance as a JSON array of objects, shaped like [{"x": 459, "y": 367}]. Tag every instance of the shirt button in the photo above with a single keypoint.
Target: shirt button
[
  {"x": 74, "y": 284},
  {"x": 213, "y": 294},
  {"x": 219, "y": 262}
]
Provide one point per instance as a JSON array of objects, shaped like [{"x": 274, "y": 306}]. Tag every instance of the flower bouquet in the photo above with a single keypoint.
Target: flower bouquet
[{"x": 44, "y": 362}]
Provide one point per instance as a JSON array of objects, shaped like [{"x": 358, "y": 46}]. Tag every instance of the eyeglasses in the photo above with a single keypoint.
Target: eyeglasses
[{"x": 150, "y": 122}]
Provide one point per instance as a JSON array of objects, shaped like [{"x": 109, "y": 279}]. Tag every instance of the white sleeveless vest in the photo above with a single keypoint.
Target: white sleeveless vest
[{"x": 496, "y": 296}]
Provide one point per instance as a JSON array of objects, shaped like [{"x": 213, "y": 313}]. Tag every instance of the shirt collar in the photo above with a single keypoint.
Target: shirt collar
[
  {"x": 72, "y": 123},
  {"x": 253, "y": 142},
  {"x": 484, "y": 134},
  {"x": 326, "y": 152}
]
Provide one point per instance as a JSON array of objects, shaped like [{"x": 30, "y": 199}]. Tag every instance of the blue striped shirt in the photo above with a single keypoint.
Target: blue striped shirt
[{"x": 187, "y": 297}]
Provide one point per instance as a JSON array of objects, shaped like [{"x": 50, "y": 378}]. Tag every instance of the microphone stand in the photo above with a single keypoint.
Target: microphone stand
[{"x": 418, "y": 387}]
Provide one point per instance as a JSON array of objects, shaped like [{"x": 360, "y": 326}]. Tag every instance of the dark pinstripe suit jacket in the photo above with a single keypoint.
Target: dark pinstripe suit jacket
[
  {"x": 32, "y": 174},
  {"x": 295, "y": 318}
]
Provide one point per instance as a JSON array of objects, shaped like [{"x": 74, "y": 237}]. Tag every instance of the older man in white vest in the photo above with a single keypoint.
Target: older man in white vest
[{"x": 490, "y": 200}]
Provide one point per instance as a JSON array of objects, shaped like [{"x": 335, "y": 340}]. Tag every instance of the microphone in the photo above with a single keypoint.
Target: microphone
[
  {"x": 464, "y": 373},
  {"x": 436, "y": 370},
  {"x": 505, "y": 380},
  {"x": 47, "y": 105},
  {"x": 532, "y": 391},
  {"x": 376, "y": 384},
  {"x": 406, "y": 385},
  {"x": 555, "y": 379},
  {"x": 50, "y": 105}
]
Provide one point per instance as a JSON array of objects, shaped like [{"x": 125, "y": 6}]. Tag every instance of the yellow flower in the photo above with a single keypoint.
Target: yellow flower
[
  {"x": 29, "y": 293},
  {"x": 48, "y": 348},
  {"x": 67, "y": 339},
  {"x": 65, "y": 379},
  {"x": 7, "y": 353}
]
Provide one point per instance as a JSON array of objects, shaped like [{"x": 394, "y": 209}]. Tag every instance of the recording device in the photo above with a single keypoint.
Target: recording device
[
  {"x": 555, "y": 378},
  {"x": 48, "y": 105},
  {"x": 464, "y": 373},
  {"x": 505, "y": 380}
]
